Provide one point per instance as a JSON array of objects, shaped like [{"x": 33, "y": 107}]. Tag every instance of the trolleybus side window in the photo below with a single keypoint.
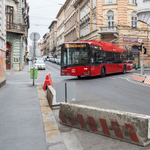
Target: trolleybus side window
[{"x": 96, "y": 55}]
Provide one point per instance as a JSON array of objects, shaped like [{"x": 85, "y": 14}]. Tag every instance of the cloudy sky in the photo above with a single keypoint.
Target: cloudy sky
[{"x": 42, "y": 13}]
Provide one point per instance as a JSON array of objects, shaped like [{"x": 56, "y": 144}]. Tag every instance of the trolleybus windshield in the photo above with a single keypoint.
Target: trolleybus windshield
[{"x": 75, "y": 55}]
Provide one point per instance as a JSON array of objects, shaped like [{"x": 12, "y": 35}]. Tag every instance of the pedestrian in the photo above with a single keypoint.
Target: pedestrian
[{"x": 27, "y": 59}]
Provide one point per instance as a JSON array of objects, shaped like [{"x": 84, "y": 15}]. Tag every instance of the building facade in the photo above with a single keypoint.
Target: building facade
[
  {"x": 60, "y": 30},
  {"x": 112, "y": 21},
  {"x": 2, "y": 42},
  {"x": 53, "y": 38},
  {"x": 69, "y": 21},
  {"x": 17, "y": 25}
]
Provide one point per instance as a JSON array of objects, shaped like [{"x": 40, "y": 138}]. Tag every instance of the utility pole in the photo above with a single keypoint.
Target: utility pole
[{"x": 147, "y": 43}]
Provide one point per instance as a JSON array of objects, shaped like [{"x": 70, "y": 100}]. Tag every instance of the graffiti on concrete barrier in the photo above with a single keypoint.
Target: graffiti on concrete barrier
[
  {"x": 2, "y": 63},
  {"x": 105, "y": 129}
]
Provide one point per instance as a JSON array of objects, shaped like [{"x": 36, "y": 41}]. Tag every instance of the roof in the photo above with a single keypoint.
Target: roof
[{"x": 105, "y": 45}]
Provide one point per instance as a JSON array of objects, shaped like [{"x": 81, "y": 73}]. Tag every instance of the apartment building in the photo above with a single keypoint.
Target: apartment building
[
  {"x": 17, "y": 25},
  {"x": 2, "y": 42},
  {"x": 44, "y": 44},
  {"x": 69, "y": 21},
  {"x": 53, "y": 38},
  {"x": 60, "y": 30},
  {"x": 40, "y": 45}
]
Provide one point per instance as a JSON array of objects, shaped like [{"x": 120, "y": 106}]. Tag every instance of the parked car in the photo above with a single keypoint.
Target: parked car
[
  {"x": 36, "y": 59},
  {"x": 40, "y": 64},
  {"x": 57, "y": 61}
]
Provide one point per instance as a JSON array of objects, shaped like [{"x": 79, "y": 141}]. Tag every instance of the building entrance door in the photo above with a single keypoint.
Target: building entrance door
[
  {"x": 136, "y": 55},
  {"x": 8, "y": 56}
]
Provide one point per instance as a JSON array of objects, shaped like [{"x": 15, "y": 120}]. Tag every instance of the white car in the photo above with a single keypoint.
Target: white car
[{"x": 40, "y": 64}]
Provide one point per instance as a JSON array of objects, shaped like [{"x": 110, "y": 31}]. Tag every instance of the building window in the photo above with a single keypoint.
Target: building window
[
  {"x": 94, "y": 3},
  {"x": 9, "y": 16},
  {"x": 110, "y": 15},
  {"x": 134, "y": 20},
  {"x": 109, "y": 1},
  {"x": 134, "y": 2}
]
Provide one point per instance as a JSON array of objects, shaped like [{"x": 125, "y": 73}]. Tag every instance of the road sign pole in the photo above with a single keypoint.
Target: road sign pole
[
  {"x": 34, "y": 36},
  {"x": 142, "y": 63},
  {"x": 34, "y": 57}
]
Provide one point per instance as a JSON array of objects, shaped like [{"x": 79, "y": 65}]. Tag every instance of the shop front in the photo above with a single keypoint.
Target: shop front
[
  {"x": 136, "y": 56},
  {"x": 8, "y": 56}
]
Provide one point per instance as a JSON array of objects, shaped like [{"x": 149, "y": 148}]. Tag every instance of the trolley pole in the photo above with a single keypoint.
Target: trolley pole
[{"x": 142, "y": 63}]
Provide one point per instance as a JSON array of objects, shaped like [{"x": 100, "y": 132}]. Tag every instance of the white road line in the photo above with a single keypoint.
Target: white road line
[
  {"x": 112, "y": 78},
  {"x": 122, "y": 77}
]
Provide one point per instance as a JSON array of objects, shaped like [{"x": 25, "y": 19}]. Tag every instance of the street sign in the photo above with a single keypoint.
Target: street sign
[
  {"x": 140, "y": 40},
  {"x": 34, "y": 36}
]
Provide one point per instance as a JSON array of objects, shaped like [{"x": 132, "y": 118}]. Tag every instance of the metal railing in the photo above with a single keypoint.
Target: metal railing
[
  {"x": 112, "y": 29},
  {"x": 15, "y": 27}
]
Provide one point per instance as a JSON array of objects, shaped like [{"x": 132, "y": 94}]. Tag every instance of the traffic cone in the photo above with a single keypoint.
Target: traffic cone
[{"x": 48, "y": 81}]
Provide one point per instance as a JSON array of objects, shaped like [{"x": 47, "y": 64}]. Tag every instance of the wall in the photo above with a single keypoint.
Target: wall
[{"x": 2, "y": 42}]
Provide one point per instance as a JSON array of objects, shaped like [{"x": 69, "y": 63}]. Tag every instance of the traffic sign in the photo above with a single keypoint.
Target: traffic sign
[
  {"x": 140, "y": 40},
  {"x": 34, "y": 36}
]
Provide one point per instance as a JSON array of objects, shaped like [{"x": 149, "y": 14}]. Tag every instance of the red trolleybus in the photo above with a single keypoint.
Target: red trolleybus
[{"x": 93, "y": 58}]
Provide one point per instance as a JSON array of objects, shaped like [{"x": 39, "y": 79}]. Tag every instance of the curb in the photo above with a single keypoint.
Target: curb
[
  {"x": 52, "y": 134},
  {"x": 143, "y": 79}
]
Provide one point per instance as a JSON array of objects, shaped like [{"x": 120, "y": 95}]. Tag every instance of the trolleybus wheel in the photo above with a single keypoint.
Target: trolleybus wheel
[
  {"x": 103, "y": 73},
  {"x": 124, "y": 69}
]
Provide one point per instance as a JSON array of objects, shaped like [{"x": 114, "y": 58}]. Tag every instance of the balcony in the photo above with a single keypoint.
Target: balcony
[
  {"x": 108, "y": 30},
  {"x": 16, "y": 28}
]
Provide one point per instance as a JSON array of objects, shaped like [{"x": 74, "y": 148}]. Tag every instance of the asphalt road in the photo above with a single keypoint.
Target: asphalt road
[{"x": 115, "y": 92}]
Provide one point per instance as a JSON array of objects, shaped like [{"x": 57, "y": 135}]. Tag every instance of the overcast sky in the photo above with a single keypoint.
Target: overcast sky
[{"x": 41, "y": 14}]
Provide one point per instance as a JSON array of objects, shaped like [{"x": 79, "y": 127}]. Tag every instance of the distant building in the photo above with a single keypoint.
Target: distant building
[
  {"x": 46, "y": 44},
  {"x": 60, "y": 30},
  {"x": 2, "y": 43},
  {"x": 52, "y": 38},
  {"x": 17, "y": 25},
  {"x": 40, "y": 45}
]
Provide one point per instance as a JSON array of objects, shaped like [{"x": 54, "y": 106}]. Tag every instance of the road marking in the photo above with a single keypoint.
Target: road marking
[
  {"x": 111, "y": 78},
  {"x": 122, "y": 77}
]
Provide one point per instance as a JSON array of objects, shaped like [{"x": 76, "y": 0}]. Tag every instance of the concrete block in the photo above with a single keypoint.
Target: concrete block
[
  {"x": 138, "y": 77},
  {"x": 129, "y": 127},
  {"x": 51, "y": 96},
  {"x": 147, "y": 80}
]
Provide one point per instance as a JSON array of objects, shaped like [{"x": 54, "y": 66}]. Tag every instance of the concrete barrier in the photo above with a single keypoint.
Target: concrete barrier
[
  {"x": 129, "y": 127},
  {"x": 147, "y": 80},
  {"x": 138, "y": 77},
  {"x": 51, "y": 96}
]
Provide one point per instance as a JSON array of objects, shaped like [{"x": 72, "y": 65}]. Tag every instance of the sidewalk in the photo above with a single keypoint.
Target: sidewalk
[{"x": 26, "y": 121}]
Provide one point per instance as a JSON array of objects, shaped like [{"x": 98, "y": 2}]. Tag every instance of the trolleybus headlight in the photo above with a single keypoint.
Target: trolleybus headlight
[
  {"x": 86, "y": 73},
  {"x": 63, "y": 73}
]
